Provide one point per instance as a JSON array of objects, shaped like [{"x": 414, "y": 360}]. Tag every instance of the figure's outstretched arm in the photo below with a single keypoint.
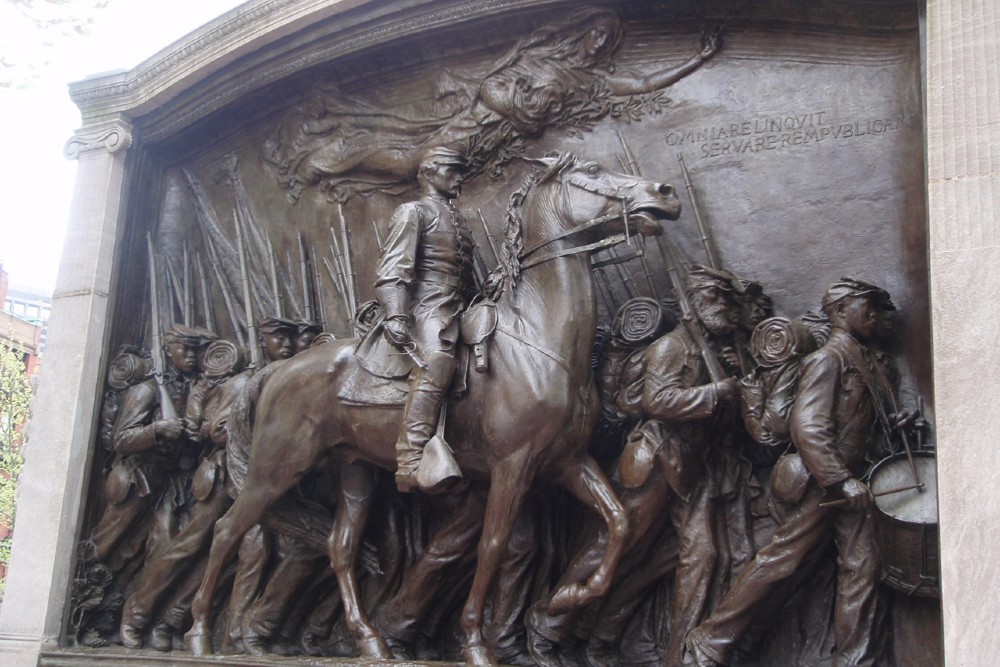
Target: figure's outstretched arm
[{"x": 626, "y": 83}]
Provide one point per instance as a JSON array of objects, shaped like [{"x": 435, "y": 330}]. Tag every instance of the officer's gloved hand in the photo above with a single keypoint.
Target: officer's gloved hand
[{"x": 397, "y": 331}]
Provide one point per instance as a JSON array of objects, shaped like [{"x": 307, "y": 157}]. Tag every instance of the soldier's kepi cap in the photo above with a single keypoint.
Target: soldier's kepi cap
[
  {"x": 189, "y": 336},
  {"x": 276, "y": 324},
  {"x": 305, "y": 326},
  {"x": 852, "y": 287},
  {"x": 444, "y": 156},
  {"x": 700, "y": 277}
]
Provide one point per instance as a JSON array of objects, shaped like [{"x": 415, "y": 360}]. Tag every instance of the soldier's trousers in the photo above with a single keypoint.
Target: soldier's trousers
[{"x": 805, "y": 528}]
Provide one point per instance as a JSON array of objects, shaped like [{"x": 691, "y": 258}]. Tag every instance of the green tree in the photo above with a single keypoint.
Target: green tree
[{"x": 15, "y": 397}]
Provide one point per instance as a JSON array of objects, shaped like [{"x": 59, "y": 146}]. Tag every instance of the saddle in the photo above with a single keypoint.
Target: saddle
[{"x": 387, "y": 368}]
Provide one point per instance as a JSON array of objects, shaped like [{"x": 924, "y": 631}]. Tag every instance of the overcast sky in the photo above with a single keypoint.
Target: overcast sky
[{"x": 37, "y": 116}]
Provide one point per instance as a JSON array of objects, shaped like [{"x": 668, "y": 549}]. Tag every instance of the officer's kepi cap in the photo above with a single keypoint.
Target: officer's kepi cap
[
  {"x": 444, "y": 156},
  {"x": 852, "y": 287}
]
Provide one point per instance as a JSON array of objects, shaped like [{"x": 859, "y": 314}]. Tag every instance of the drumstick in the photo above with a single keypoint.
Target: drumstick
[{"x": 843, "y": 501}]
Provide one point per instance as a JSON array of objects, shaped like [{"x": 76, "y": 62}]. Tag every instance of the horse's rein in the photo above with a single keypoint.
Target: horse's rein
[{"x": 596, "y": 188}]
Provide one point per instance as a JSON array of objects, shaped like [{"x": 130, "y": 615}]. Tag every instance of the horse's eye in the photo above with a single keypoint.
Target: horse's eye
[{"x": 593, "y": 169}]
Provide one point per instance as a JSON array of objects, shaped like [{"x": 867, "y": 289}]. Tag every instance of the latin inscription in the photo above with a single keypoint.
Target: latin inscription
[{"x": 776, "y": 132}]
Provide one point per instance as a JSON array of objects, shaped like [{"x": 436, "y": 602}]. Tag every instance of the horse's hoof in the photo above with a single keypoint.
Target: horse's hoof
[
  {"x": 479, "y": 656},
  {"x": 376, "y": 648},
  {"x": 568, "y": 598},
  {"x": 198, "y": 643}
]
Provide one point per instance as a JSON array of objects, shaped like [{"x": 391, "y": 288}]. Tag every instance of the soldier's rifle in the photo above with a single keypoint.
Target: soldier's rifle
[
  {"x": 690, "y": 321},
  {"x": 176, "y": 289},
  {"x": 188, "y": 284},
  {"x": 318, "y": 290},
  {"x": 349, "y": 266},
  {"x": 713, "y": 256},
  {"x": 227, "y": 294},
  {"x": 255, "y": 355},
  {"x": 706, "y": 239},
  {"x": 273, "y": 267},
  {"x": 206, "y": 301},
  {"x": 489, "y": 236},
  {"x": 167, "y": 409},
  {"x": 306, "y": 280}
]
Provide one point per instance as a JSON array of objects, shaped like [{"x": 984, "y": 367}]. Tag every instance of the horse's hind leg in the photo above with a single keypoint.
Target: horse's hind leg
[
  {"x": 509, "y": 483},
  {"x": 587, "y": 482},
  {"x": 356, "y": 488},
  {"x": 264, "y": 486}
]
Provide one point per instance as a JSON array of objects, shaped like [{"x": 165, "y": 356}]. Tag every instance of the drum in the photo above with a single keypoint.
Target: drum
[{"x": 906, "y": 524}]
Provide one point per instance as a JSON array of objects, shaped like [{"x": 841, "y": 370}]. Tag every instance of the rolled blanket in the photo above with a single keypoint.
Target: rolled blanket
[
  {"x": 639, "y": 322},
  {"x": 223, "y": 358},
  {"x": 368, "y": 315},
  {"x": 128, "y": 369},
  {"x": 778, "y": 340}
]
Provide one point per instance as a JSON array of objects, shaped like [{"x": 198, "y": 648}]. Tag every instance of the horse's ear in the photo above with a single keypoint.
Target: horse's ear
[
  {"x": 547, "y": 161},
  {"x": 555, "y": 160}
]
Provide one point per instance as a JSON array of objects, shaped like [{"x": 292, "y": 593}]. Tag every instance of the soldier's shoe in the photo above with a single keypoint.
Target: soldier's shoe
[
  {"x": 541, "y": 648},
  {"x": 130, "y": 635},
  {"x": 311, "y": 644},
  {"x": 161, "y": 637},
  {"x": 600, "y": 653},
  {"x": 697, "y": 651},
  {"x": 253, "y": 643}
]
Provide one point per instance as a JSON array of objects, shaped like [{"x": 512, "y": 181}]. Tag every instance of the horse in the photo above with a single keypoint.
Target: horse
[{"x": 529, "y": 416}]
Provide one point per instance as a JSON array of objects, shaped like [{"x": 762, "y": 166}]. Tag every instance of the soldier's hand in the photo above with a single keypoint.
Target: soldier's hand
[
  {"x": 731, "y": 359},
  {"x": 728, "y": 389},
  {"x": 168, "y": 429},
  {"x": 397, "y": 331},
  {"x": 856, "y": 493},
  {"x": 903, "y": 419}
]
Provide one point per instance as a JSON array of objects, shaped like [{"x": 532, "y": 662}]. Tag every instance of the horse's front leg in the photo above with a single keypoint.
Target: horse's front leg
[
  {"x": 587, "y": 482},
  {"x": 356, "y": 490},
  {"x": 509, "y": 482}
]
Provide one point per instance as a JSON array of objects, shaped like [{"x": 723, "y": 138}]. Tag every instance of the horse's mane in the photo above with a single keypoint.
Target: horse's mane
[{"x": 504, "y": 276}]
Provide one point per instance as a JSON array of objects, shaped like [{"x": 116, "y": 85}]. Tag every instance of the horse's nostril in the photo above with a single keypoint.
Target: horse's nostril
[{"x": 664, "y": 189}]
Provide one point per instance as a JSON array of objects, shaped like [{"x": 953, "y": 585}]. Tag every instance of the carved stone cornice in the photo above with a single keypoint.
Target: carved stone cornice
[
  {"x": 110, "y": 136},
  {"x": 258, "y": 28}
]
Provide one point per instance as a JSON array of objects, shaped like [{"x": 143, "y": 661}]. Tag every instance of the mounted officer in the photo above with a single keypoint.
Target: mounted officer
[{"x": 423, "y": 284}]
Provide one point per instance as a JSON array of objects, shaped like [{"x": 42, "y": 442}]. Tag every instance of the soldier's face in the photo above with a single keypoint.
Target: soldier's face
[
  {"x": 277, "y": 345},
  {"x": 304, "y": 341},
  {"x": 715, "y": 310},
  {"x": 182, "y": 357},
  {"x": 446, "y": 180},
  {"x": 859, "y": 317}
]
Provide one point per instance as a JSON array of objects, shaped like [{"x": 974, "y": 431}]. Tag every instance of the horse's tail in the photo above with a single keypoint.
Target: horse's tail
[{"x": 240, "y": 427}]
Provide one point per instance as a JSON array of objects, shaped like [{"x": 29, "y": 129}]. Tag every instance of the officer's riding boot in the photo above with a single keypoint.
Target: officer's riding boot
[{"x": 420, "y": 417}]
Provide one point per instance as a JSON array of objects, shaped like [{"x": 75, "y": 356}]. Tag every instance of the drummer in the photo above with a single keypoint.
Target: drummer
[{"x": 834, "y": 424}]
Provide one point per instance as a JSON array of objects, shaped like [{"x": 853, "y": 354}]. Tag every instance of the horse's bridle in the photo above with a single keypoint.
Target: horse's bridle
[{"x": 595, "y": 187}]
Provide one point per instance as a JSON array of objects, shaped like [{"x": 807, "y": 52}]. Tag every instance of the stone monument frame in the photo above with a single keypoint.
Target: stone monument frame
[{"x": 262, "y": 41}]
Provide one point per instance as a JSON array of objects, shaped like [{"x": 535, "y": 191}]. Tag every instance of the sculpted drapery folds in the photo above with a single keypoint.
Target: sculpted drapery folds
[{"x": 562, "y": 75}]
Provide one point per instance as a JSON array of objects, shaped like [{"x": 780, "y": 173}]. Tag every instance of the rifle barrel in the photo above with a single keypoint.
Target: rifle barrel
[
  {"x": 167, "y": 409},
  {"x": 706, "y": 239}
]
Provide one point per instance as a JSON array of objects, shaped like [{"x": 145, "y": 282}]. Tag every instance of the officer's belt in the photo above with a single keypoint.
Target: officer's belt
[{"x": 439, "y": 278}]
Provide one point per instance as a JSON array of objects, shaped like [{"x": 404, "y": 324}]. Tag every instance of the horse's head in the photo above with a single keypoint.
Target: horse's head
[
  {"x": 590, "y": 192},
  {"x": 572, "y": 206}
]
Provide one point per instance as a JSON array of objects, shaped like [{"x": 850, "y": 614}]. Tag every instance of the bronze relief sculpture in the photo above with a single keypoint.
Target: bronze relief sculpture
[{"x": 566, "y": 439}]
